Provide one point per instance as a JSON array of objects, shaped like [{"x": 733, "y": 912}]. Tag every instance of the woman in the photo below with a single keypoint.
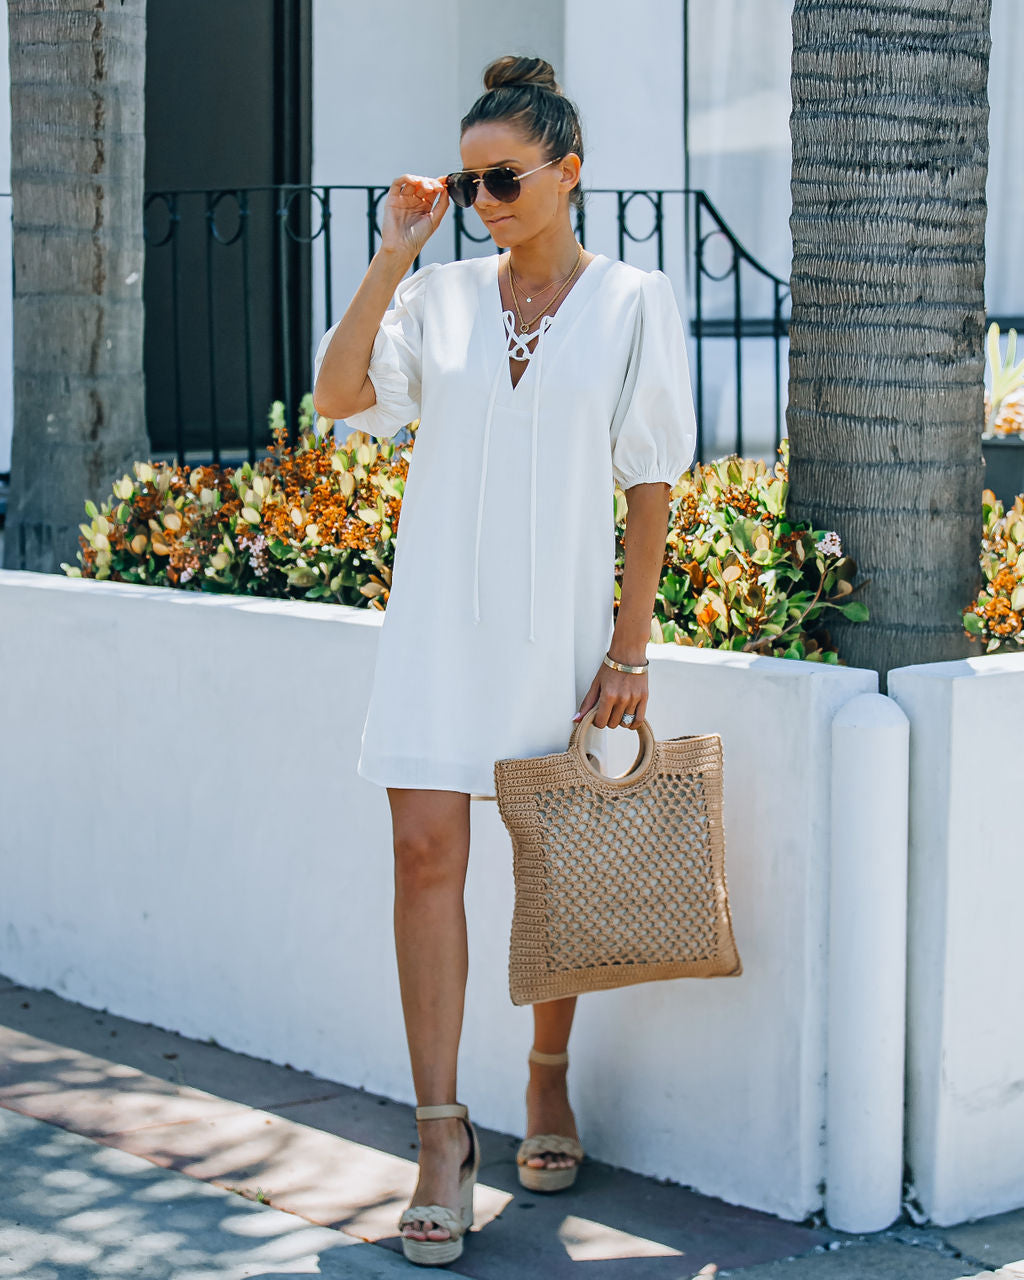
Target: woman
[{"x": 539, "y": 376}]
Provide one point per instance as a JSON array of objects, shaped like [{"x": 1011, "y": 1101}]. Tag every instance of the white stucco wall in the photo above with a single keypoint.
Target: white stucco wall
[
  {"x": 185, "y": 841},
  {"x": 965, "y": 978},
  {"x": 625, "y": 71}
]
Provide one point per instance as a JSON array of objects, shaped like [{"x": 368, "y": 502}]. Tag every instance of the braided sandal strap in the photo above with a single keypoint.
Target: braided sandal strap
[
  {"x": 554, "y": 1144},
  {"x": 439, "y": 1214}
]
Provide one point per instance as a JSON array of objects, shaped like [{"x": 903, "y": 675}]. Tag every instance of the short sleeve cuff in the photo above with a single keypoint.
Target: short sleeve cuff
[
  {"x": 627, "y": 482},
  {"x": 393, "y": 408},
  {"x": 656, "y": 472}
]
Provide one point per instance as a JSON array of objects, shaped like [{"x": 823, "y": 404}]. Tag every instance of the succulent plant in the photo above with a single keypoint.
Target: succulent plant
[
  {"x": 1004, "y": 404},
  {"x": 319, "y": 521},
  {"x": 995, "y": 617},
  {"x": 313, "y": 521},
  {"x": 739, "y": 575}
]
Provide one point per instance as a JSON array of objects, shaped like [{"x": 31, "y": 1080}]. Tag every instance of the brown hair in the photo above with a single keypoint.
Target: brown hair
[{"x": 524, "y": 90}]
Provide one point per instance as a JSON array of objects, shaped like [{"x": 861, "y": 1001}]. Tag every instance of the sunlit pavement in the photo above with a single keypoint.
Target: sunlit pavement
[{"x": 126, "y": 1150}]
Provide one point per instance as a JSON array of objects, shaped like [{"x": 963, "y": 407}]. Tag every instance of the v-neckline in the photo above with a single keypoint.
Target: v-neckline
[{"x": 502, "y": 310}]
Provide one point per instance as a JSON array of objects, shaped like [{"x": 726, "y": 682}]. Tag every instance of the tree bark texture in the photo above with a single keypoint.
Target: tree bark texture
[
  {"x": 77, "y": 150},
  {"x": 886, "y": 390}
]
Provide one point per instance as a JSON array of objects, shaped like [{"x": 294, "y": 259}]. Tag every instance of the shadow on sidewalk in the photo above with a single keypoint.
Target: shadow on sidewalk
[{"x": 333, "y": 1157}]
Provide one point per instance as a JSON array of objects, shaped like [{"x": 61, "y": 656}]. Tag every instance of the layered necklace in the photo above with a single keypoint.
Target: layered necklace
[{"x": 526, "y": 325}]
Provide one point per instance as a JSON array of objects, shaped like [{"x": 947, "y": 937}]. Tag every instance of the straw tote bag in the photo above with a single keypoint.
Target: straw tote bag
[{"x": 618, "y": 880}]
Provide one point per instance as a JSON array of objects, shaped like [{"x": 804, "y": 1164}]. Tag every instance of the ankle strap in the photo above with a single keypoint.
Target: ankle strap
[
  {"x": 442, "y": 1111},
  {"x": 549, "y": 1059}
]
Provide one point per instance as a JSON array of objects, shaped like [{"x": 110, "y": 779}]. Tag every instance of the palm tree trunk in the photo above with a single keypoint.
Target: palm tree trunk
[
  {"x": 77, "y": 149},
  {"x": 890, "y": 156}
]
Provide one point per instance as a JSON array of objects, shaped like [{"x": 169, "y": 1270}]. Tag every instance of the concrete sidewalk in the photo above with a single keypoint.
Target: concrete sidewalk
[
  {"x": 74, "y": 1208},
  {"x": 131, "y": 1151}
]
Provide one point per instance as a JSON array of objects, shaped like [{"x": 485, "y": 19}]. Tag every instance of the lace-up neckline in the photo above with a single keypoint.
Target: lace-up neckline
[{"x": 515, "y": 346}]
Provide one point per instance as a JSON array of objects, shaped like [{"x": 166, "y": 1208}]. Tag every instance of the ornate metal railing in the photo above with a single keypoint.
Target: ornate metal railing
[{"x": 241, "y": 282}]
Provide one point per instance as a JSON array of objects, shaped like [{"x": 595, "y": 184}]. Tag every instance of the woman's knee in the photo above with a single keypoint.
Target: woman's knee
[
  {"x": 428, "y": 858},
  {"x": 431, "y": 839}
]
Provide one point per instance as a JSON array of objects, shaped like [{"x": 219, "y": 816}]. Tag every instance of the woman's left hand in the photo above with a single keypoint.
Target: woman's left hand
[{"x": 615, "y": 693}]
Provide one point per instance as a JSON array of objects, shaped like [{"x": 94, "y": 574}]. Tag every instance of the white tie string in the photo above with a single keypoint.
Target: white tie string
[
  {"x": 545, "y": 324},
  {"x": 516, "y": 348},
  {"x": 483, "y": 481}
]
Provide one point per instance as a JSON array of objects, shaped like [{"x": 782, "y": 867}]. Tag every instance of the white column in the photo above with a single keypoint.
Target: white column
[
  {"x": 965, "y": 980},
  {"x": 867, "y": 964}
]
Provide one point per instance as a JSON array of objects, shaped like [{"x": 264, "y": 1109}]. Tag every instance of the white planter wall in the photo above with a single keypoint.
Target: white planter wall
[
  {"x": 185, "y": 841},
  {"x": 965, "y": 973}
]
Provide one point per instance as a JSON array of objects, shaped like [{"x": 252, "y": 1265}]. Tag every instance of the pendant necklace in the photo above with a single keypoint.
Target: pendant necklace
[
  {"x": 526, "y": 326},
  {"x": 554, "y": 282}
]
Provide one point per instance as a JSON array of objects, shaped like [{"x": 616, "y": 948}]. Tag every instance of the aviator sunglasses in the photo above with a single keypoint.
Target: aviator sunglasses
[{"x": 501, "y": 182}]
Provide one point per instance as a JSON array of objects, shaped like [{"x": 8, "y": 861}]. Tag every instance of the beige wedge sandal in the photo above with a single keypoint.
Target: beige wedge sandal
[
  {"x": 540, "y": 1144},
  {"x": 434, "y": 1253}
]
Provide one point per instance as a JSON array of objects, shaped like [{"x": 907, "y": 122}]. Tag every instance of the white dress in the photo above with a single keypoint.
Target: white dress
[{"x": 501, "y": 602}]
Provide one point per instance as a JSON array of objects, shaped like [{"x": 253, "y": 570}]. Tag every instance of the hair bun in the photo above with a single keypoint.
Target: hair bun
[{"x": 513, "y": 71}]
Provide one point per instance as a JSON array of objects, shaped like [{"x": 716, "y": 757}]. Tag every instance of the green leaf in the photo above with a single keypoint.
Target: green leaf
[
  {"x": 855, "y": 610},
  {"x": 973, "y": 624},
  {"x": 90, "y": 509},
  {"x": 742, "y": 530},
  {"x": 775, "y": 497}
]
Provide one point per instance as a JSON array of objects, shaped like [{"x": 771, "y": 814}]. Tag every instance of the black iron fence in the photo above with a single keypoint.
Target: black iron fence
[{"x": 241, "y": 283}]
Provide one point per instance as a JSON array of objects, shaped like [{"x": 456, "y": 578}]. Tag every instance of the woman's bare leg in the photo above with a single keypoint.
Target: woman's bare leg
[
  {"x": 547, "y": 1099},
  {"x": 431, "y": 843}
]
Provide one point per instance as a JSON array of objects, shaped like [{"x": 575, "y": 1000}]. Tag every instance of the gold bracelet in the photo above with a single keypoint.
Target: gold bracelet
[{"x": 625, "y": 666}]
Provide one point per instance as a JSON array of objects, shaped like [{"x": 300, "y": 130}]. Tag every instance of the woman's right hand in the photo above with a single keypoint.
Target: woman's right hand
[{"x": 410, "y": 214}]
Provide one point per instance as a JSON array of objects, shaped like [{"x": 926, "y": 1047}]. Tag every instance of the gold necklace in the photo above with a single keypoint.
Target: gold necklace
[
  {"x": 526, "y": 326},
  {"x": 538, "y": 292}
]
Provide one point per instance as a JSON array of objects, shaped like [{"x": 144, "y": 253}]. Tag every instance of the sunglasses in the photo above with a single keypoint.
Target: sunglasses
[{"x": 501, "y": 182}]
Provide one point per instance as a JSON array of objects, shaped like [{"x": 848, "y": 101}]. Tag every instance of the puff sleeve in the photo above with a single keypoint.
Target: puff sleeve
[
  {"x": 395, "y": 359},
  {"x": 654, "y": 428}
]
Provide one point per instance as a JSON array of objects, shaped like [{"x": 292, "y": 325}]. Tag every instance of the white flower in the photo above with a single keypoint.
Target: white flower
[
  {"x": 258, "y": 556},
  {"x": 830, "y": 544}
]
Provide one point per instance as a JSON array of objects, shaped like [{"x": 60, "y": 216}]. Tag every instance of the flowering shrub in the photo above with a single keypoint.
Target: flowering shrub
[
  {"x": 1004, "y": 406},
  {"x": 995, "y": 617},
  {"x": 313, "y": 522},
  {"x": 739, "y": 575},
  {"x": 319, "y": 522}
]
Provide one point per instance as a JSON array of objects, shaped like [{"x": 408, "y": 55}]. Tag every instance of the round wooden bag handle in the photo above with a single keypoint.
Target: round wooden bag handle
[{"x": 637, "y": 770}]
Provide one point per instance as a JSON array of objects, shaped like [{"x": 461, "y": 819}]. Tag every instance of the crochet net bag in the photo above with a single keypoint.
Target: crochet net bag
[{"x": 618, "y": 880}]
